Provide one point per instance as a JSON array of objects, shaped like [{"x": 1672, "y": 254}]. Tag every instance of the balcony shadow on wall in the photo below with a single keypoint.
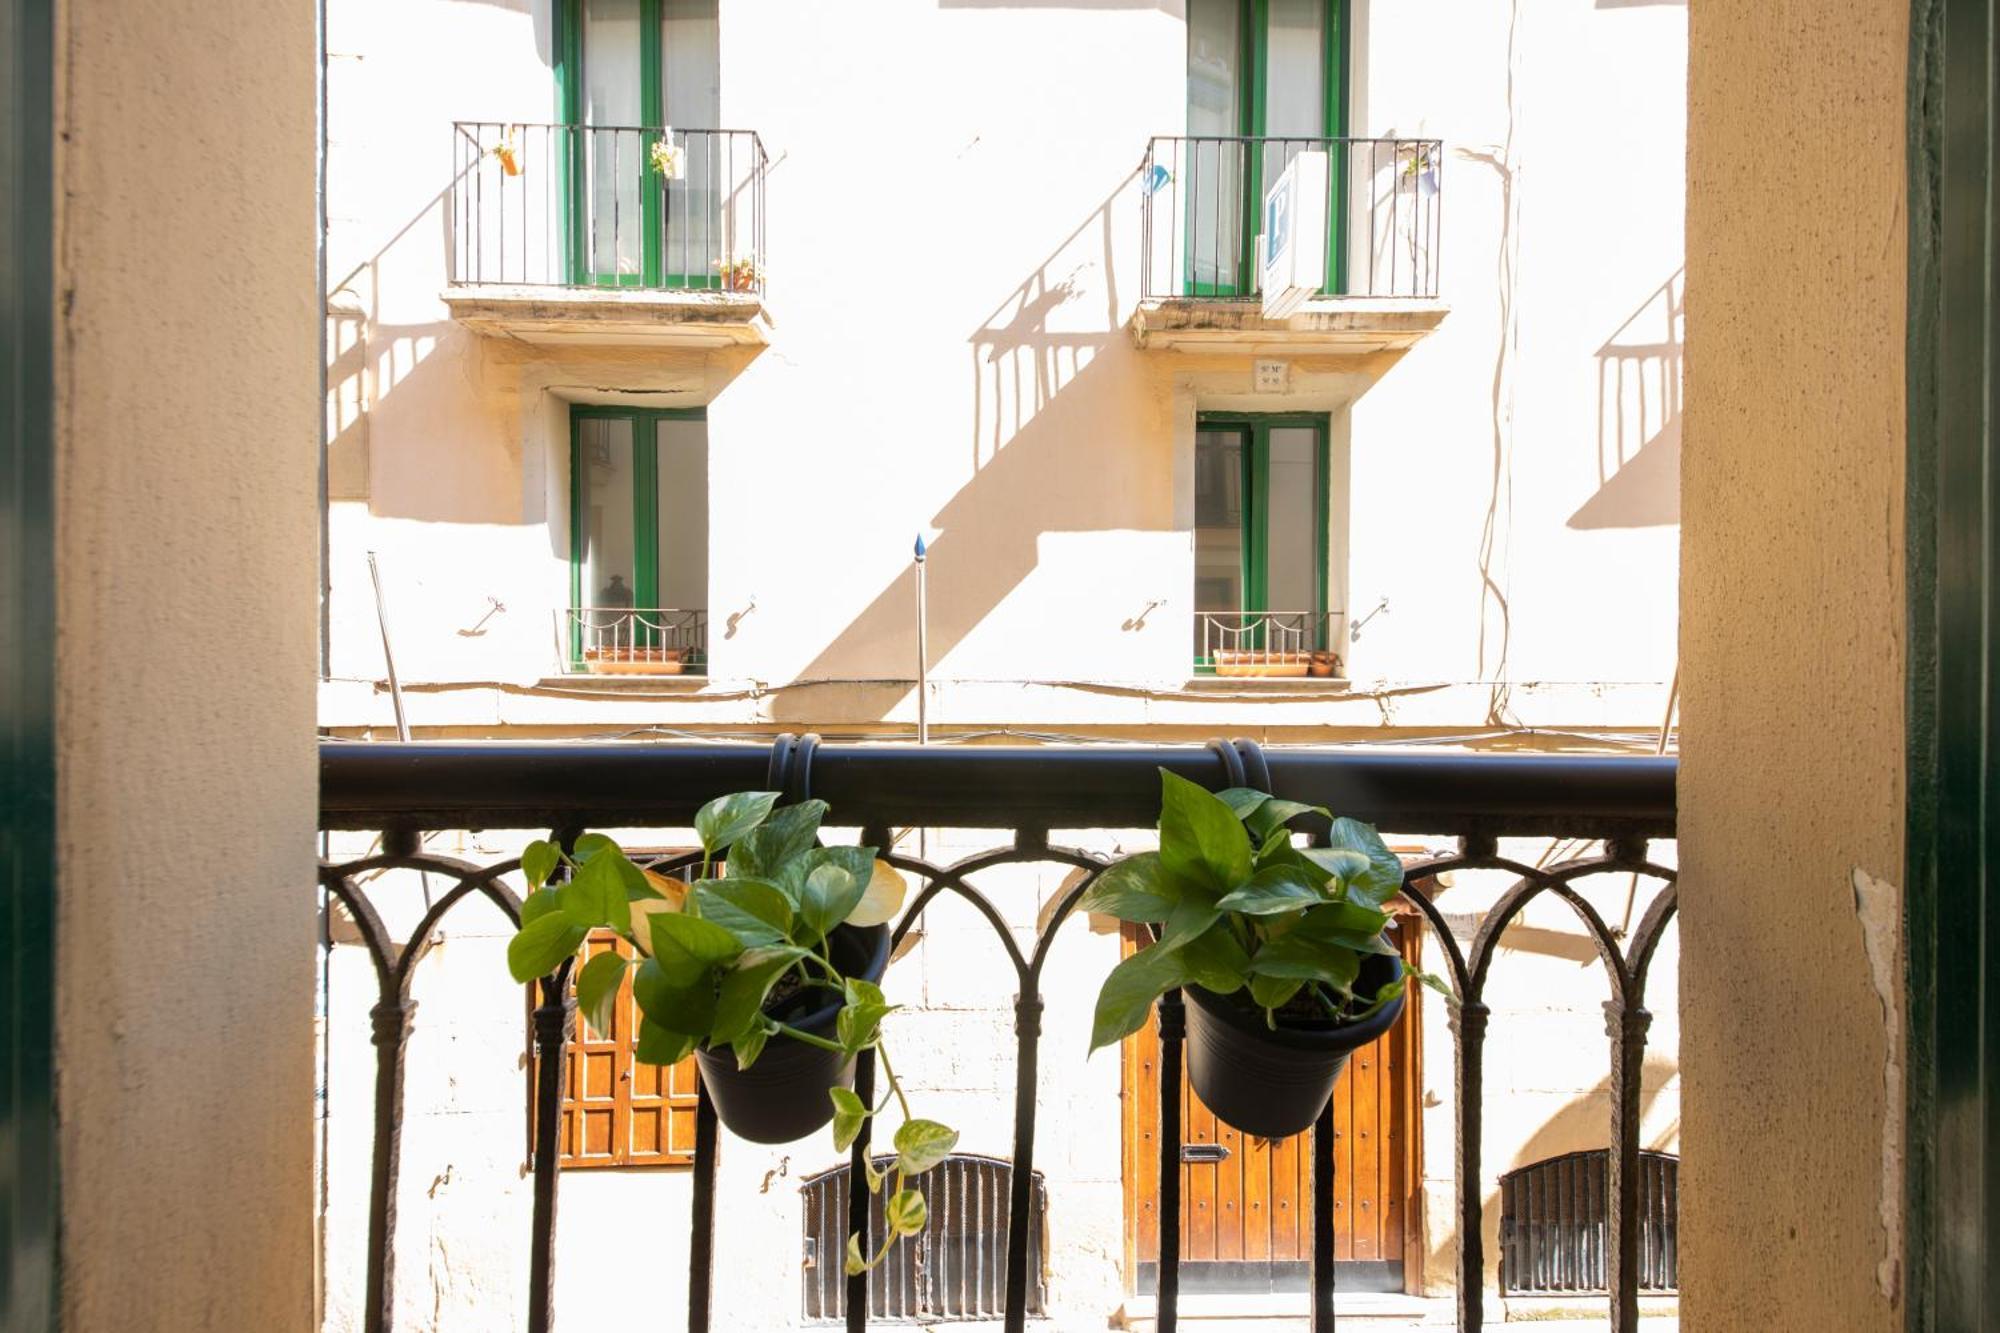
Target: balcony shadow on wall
[
  {"x": 1639, "y": 418},
  {"x": 1060, "y": 398}
]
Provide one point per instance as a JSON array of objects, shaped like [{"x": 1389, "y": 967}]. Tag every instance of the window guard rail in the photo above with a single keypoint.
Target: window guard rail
[
  {"x": 405, "y": 790},
  {"x": 1268, "y": 643},
  {"x": 1202, "y": 196},
  {"x": 619, "y": 207},
  {"x": 625, "y": 640}
]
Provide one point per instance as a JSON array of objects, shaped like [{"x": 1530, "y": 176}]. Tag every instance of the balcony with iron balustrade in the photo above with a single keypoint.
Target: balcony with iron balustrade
[
  {"x": 1202, "y": 236},
  {"x": 608, "y": 236}
]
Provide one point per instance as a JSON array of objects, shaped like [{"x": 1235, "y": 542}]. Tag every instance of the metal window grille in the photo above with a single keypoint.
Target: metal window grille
[
  {"x": 955, "y": 1270},
  {"x": 1552, "y": 1224}
]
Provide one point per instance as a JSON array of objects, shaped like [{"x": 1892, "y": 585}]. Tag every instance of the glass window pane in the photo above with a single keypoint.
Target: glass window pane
[
  {"x": 604, "y": 483},
  {"x": 1291, "y": 527},
  {"x": 1218, "y": 539},
  {"x": 683, "y": 514},
  {"x": 1212, "y": 172},
  {"x": 690, "y": 72},
  {"x": 615, "y": 158},
  {"x": 1295, "y": 84}
]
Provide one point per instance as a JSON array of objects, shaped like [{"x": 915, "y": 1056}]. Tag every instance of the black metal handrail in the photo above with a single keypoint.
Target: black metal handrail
[
  {"x": 404, "y": 790},
  {"x": 607, "y": 206},
  {"x": 1201, "y": 197}
]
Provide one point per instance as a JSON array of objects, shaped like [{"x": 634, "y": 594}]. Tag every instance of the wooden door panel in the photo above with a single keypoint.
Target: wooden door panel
[{"x": 1250, "y": 1212}]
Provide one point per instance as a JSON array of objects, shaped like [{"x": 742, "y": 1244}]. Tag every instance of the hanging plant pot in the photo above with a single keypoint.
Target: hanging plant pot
[
  {"x": 782, "y": 1096},
  {"x": 1274, "y": 1082}
]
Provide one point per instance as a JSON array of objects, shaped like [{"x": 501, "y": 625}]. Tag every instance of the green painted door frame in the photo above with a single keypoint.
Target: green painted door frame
[
  {"x": 1254, "y": 430},
  {"x": 1254, "y": 32},
  {"x": 29, "y": 1207},
  {"x": 570, "y": 58},
  {"x": 1953, "y": 522},
  {"x": 645, "y": 503}
]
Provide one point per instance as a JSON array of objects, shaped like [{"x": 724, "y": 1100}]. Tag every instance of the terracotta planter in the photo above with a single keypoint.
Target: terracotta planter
[
  {"x": 1257, "y": 662},
  {"x": 782, "y": 1096},
  {"x": 633, "y": 661},
  {"x": 1274, "y": 1082},
  {"x": 1325, "y": 664}
]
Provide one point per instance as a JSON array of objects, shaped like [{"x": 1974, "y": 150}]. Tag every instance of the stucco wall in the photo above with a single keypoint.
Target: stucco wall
[
  {"x": 187, "y": 434},
  {"x": 950, "y": 292},
  {"x": 1792, "y": 665}
]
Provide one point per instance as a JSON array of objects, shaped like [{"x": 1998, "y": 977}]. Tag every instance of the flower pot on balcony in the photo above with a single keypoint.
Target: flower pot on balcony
[
  {"x": 1274, "y": 1082},
  {"x": 633, "y": 661},
  {"x": 782, "y": 1097},
  {"x": 1243, "y": 662},
  {"x": 1325, "y": 664}
]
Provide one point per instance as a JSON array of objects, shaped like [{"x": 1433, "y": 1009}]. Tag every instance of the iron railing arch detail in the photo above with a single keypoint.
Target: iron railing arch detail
[{"x": 406, "y": 789}]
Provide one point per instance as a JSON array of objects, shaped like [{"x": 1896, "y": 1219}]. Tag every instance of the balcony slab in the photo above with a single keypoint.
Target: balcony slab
[
  {"x": 1347, "y": 326},
  {"x": 588, "y": 317}
]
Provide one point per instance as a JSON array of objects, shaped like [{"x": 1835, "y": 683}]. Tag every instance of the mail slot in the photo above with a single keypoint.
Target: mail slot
[{"x": 1204, "y": 1152}]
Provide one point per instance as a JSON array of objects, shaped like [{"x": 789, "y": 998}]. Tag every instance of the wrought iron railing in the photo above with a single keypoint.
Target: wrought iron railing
[
  {"x": 1201, "y": 198},
  {"x": 1268, "y": 643},
  {"x": 609, "y": 206},
  {"x": 403, "y": 791},
  {"x": 633, "y": 641}
]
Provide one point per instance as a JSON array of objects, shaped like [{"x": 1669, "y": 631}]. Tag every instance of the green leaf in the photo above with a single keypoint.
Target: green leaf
[
  {"x": 749, "y": 1044},
  {"x": 1384, "y": 877},
  {"x": 1201, "y": 840},
  {"x": 589, "y": 845},
  {"x": 538, "y": 861},
  {"x": 688, "y": 1009},
  {"x": 1138, "y": 888},
  {"x": 1188, "y": 919},
  {"x": 905, "y": 1213},
  {"x": 597, "y": 987},
  {"x": 1243, "y": 801},
  {"x": 1273, "y": 992},
  {"x": 1329, "y": 921},
  {"x": 1268, "y": 892},
  {"x": 1302, "y": 958},
  {"x": 726, "y": 818},
  {"x": 849, "y": 1114},
  {"x": 539, "y": 904},
  {"x": 637, "y": 887},
  {"x": 1274, "y": 815},
  {"x": 743, "y": 992},
  {"x": 787, "y": 832},
  {"x": 830, "y": 893},
  {"x": 1216, "y": 960},
  {"x": 595, "y": 896},
  {"x": 1342, "y": 864},
  {"x": 862, "y": 1015},
  {"x": 876, "y": 1176},
  {"x": 540, "y": 947},
  {"x": 661, "y": 1046},
  {"x": 1129, "y": 992},
  {"x": 755, "y": 912},
  {"x": 686, "y": 947},
  {"x": 922, "y": 1144},
  {"x": 857, "y": 1262}
]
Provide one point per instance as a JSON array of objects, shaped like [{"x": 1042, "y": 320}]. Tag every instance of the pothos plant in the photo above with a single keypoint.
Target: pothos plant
[
  {"x": 713, "y": 956},
  {"x": 1241, "y": 910}
]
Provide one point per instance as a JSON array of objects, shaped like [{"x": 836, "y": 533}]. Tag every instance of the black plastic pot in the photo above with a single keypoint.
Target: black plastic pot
[
  {"x": 1274, "y": 1082},
  {"x": 782, "y": 1097}
]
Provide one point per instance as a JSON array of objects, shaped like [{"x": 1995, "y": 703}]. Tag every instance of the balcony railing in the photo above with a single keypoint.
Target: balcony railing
[
  {"x": 629, "y": 641},
  {"x": 1267, "y": 643},
  {"x": 607, "y": 206},
  {"x": 403, "y": 791},
  {"x": 1202, "y": 197}
]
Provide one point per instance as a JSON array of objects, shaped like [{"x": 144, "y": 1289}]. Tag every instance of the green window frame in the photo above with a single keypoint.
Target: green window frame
[
  {"x": 1254, "y": 34},
  {"x": 645, "y": 508},
  {"x": 574, "y": 146},
  {"x": 1254, "y": 429}
]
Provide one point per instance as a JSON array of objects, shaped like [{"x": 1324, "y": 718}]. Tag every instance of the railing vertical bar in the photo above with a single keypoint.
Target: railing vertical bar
[
  {"x": 391, "y": 1021},
  {"x": 701, "y": 1245},
  {"x": 555, "y": 1017},
  {"x": 1323, "y": 1278},
  {"x": 857, "y": 1194},
  {"x": 1468, "y": 1025},
  {"x": 1173, "y": 1031},
  {"x": 1028, "y": 1031},
  {"x": 1626, "y": 1023}
]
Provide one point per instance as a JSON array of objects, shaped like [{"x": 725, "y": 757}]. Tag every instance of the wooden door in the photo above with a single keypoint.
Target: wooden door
[{"x": 1246, "y": 1204}]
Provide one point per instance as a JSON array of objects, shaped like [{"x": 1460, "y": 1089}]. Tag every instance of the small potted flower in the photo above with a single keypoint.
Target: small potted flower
[
  {"x": 1279, "y": 950},
  {"x": 669, "y": 159},
  {"x": 766, "y": 968},
  {"x": 740, "y": 275},
  {"x": 508, "y": 151}
]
